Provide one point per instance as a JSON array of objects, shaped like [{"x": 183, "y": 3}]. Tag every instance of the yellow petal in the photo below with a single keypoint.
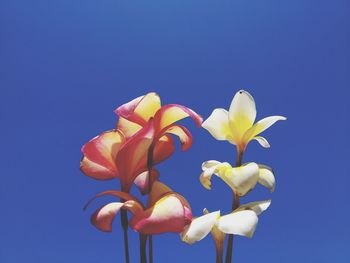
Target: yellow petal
[
  {"x": 148, "y": 106},
  {"x": 242, "y": 114},
  {"x": 218, "y": 125},
  {"x": 261, "y": 126},
  {"x": 128, "y": 128}
]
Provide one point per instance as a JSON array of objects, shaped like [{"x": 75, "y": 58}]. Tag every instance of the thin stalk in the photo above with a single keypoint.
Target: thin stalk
[
  {"x": 124, "y": 223},
  {"x": 235, "y": 204},
  {"x": 143, "y": 256},
  {"x": 149, "y": 167}
]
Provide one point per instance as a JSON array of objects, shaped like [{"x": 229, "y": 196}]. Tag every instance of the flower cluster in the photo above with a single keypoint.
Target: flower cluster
[
  {"x": 143, "y": 138},
  {"x": 236, "y": 126}
]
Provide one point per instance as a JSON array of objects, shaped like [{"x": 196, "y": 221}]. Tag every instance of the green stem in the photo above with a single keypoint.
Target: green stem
[
  {"x": 124, "y": 223},
  {"x": 235, "y": 204}
]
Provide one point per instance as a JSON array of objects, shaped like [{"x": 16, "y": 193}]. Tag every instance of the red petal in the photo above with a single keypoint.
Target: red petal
[
  {"x": 183, "y": 134},
  {"x": 141, "y": 109},
  {"x": 172, "y": 113},
  {"x": 141, "y": 180},
  {"x": 132, "y": 157},
  {"x": 163, "y": 149},
  {"x": 167, "y": 215},
  {"x": 99, "y": 155}
]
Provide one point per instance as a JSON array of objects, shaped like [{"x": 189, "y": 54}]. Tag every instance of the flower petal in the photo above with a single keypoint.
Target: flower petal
[
  {"x": 128, "y": 128},
  {"x": 241, "y": 223},
  {"x": 159, "y": 189},
  {"x": 209, "y": 168},
  {"x": 218, "y": 125},
  {"x": 218, "y": 237},
  {"x": 122, "y": 195},
  {"x": 141, "y": 109},
  {"x": 133, "y": 156},
  {"x": 167, "y": 215},
  {"x": 172, "y": 113},
  {"x": 183, "y": 134},
  {"x": 242, "y": 114},
  {"x": 103, "y": 218},
  {"x": 163, "y": 149},
  {"x": 262, "y": 141},
  {"x": 266, "y": 177},
  {"x": 258, "y": 207},
  {"x": 261, "y": 126},
  {"x": 99, "y": 155},
  {"x": 199, "y": 227},
  {"x": 141, "y": 180},
  {"x": 241, "y": 179}
]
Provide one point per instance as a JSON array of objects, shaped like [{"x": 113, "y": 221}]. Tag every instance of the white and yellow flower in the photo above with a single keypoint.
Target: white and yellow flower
[
  {"x": 240, "y": 179},
  {"x": 237, "y": 125},
  {"x": 242, "y": 221}
]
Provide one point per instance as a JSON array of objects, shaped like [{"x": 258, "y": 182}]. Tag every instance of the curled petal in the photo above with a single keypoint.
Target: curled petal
[
  {"x": 159, "y": 189},
  {"x": 242, "y": 114},
  {"x": 261, "y": 126},
  {"x": 241, "y": 223},
  {"x": 218, "y": 125},
  {"x": 209, "y": 168},
  {"x": 99, "y": 155},
  {"x": 183, "y": 134},
  {"x": 168, "y": 214},
  {"x": 122, "y": 195},
  {"x": 132, "y": 157},
  {"x": 141, "y": 180},
  {"x": 266, "y": 177},
  {"x": 103, "y": 218},
  {"x": 241, "y": 179},
  {"x": 172, "y": 113},
  {"x": 128, "y": 128},
  {"x": 258, "y": 207},
  {"x": 200, "y": 227},
  {"x": 262, "y": 141},
  {"x": 141, "y": 109},
  {"x": 163, "y": 149}
]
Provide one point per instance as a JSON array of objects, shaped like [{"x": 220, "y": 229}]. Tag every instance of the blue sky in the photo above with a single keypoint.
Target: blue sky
[{"x": 66, "y": 65}]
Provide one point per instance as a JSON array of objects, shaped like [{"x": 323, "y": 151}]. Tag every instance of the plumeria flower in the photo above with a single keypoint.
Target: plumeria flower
[
  {"x": 136, "y": 114},
  {"x": 237, "y": 125},
  {"x": 166, "y": 211},
  {"x": 111, "y": 155},
  {"x": 242, "y": 221},
  {"x": 241, "y": 179}
]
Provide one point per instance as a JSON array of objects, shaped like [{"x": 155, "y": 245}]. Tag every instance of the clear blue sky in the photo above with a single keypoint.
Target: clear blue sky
[{"x": 66, "y": 65}]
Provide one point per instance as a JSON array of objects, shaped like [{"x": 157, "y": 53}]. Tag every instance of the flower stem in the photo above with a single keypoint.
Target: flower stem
[
  {"x": 143, "y": 256},
  {"x": 219, "y": 252},
  {"x": 124, "y": 223},
  {"x": 235, "y": 204},
  {"x": 149, "y": 167}
]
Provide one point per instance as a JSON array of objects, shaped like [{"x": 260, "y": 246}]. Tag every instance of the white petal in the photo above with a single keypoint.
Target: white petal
[
  {"x": 218, "y": 125},
  {"x": 241, "y": 223},
  {"x": 242, "y": 113},
  {"x": 266, "y": 177},
  {"x": 241, "y": 179},
  {"x": 258, "y": 207},
  {"x": 261, "y": 126},
  {"x": 262, "y": 141},
  {"x": 199, "y": 227},
  {"x": 209, "y": 168}
]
